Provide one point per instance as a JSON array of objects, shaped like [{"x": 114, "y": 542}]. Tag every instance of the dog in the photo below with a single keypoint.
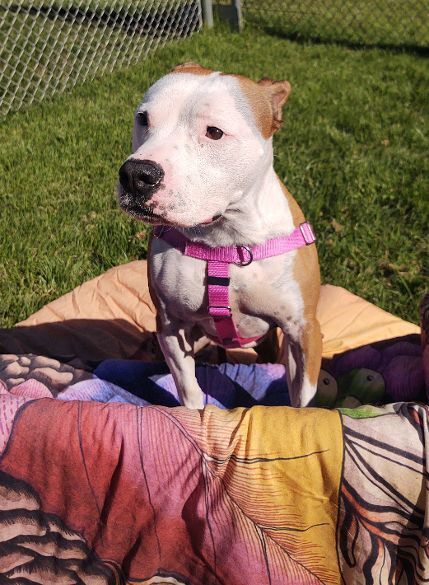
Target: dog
[{"x": 231, "y": 255}]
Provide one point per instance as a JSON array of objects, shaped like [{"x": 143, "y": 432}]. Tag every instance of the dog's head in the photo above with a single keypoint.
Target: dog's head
[{"x": 201, "y": 140}]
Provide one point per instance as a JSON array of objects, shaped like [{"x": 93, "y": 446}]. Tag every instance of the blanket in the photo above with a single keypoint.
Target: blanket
[
  {"x": 104, "y": 479},
  {"x": 116, "y": 493}
]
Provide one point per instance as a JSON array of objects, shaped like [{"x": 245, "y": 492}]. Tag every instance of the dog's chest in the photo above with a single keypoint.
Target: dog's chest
[{"x": 262, "y": 294}]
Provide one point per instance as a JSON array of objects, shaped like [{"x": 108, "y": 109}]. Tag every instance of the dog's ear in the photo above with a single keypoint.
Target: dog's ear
[
  {"x": 278, "y": 92},
  {"x": 183, "y": 66},
  {"x": 191, "y": 67}
]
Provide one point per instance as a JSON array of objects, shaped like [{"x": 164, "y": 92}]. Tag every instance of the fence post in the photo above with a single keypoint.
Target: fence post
[
  {"x": 230, "y": 13},
  {"x": 238, "y": 15},
  {"x": 207, "y": 7}
]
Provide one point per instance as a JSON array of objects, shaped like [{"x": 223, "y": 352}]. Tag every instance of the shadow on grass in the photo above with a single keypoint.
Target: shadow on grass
[
  {"x": 156, "y": 23},
  {"x": 302, "y": 39}
]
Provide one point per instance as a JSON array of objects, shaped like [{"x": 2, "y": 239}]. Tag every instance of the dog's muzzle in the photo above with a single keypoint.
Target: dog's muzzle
[{"x": 140, "y": 178}]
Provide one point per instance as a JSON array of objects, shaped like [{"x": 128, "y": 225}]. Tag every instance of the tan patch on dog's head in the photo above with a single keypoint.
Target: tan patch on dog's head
[
  {"x": 191, "y": 67},
  {"x": 266, "y": 99}
]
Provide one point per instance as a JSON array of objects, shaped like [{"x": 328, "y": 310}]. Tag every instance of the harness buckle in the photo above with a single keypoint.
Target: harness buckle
[
  {"x": 215, "y": 311},
  {"x": 240, "y": 251},
  {"x": 307, "y": 233}
]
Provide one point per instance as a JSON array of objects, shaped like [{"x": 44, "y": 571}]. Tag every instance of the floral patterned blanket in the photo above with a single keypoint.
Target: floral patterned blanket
[{"x": 97, "y": 489}]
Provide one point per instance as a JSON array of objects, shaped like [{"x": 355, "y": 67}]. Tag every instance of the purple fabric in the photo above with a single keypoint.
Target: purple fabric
[{"x": 226, "y": 386}]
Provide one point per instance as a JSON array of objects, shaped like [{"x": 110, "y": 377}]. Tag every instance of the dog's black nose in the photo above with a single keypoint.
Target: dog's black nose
[{"x": 140, "y": 177}]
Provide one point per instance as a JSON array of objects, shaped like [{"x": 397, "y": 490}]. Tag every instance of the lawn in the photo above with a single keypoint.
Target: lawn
[
  {"x": 384, "y": 22},
  {"x": 353, "y": 151}
]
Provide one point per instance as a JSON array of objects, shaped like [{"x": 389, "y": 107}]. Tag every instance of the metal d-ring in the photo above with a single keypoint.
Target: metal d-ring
[{"x": 249, "y": 251}]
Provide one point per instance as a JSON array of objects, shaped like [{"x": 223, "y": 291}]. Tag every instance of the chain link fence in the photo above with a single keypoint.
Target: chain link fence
[
  {"x": 366, "y": 22},
  {"x": 47, "y": 46}
]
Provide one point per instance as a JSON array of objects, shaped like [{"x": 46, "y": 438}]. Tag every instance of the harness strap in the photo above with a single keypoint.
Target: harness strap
[
  {"x": 218, "y": 279},
  {"x": 218, "y": 297}
]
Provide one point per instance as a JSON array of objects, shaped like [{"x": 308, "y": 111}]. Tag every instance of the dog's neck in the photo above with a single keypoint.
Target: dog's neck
[{"x": 259, "y": 214}]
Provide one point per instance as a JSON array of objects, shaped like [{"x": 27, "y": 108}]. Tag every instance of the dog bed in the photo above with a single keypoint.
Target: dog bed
[{"x": 102, "y": 481}]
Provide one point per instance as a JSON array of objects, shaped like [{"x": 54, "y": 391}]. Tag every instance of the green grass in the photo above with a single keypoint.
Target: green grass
[
  {"x": 403, "y": 22},
  {"x": 353, "y": 151}
]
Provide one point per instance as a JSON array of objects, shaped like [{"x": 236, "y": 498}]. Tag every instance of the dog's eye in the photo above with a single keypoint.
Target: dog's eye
[
  {"x": 142, "y": 119},
  {"x": 214, "y": 133}
]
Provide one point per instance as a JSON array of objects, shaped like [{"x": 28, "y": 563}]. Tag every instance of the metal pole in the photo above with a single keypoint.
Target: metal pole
[
  {"x": 238, "y": 14},
  {"x": 207, "y": 7}
]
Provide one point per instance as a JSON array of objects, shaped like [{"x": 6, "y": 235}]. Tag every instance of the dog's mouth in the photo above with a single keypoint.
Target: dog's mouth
[
  {"x": 147, "y": 215},
  {"x": 141, "y": 212},
  {"x": 145, "y": 212},
  {"x": 211, "y": 221}
]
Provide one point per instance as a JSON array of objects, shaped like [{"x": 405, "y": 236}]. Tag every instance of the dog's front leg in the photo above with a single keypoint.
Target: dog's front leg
[
  {"x": 177, "y": 346},
  {"x": 302, "y": 355}
]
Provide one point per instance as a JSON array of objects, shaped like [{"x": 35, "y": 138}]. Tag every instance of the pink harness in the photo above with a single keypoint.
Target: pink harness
[{"x": 218, "y": 261}]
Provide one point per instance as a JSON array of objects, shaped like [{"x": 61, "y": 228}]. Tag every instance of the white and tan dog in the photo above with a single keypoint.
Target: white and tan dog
[{"x": 202, "y": 162}]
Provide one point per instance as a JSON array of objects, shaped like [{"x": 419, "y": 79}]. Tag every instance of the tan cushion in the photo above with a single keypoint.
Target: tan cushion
[
  {"x": 113, "y": 316},
  {"x": 348, "y": 321}
]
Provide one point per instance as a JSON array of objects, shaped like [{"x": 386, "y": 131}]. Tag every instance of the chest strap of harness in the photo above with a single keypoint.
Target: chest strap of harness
[{"x": 218, "y": 279}]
